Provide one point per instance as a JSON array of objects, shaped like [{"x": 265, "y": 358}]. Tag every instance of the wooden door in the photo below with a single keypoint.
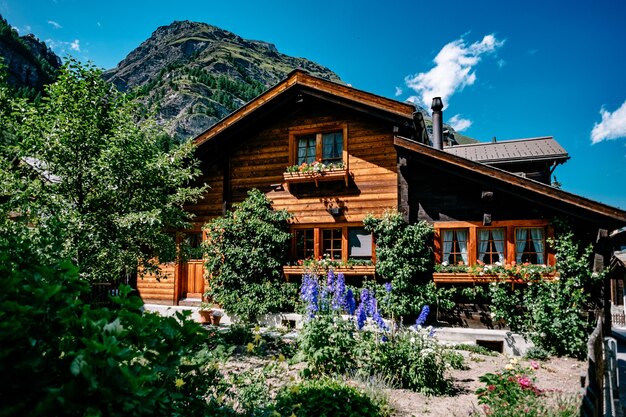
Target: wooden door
[{"x": 192, "y": 279}]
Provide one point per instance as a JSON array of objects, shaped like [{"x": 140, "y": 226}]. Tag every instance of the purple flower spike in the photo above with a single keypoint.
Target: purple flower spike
[
  {"x": 379, "y": 320},
  {"x": 309, "y": 293},
  {"x": 350, "y": 303},
  {"x": 339, "y": 294},
  {"x": 423, "y": 316},
  {"x": 388, "y": 286},
  {"x": 361, "y": 316}
]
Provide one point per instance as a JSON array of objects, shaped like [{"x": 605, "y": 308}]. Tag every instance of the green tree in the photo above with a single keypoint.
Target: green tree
[
  {"x": 552, "y": 313},
  {"x": 104, "y": 177},
  {"x": 245, "y": 251},
  {"x": 404, "y": 258}
]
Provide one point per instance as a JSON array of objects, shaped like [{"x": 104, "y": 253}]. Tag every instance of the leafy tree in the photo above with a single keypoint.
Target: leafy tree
[
  {"x": 102, "y": 176},
  {"x": 552, "y": 313},
  {"x": 404, "y": 258},
  {"x": 245, "y": 251}
]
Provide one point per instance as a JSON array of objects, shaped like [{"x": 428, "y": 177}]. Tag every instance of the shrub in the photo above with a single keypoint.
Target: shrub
[
  {"x": 404, "y": 258},
  {"x": 512, "y": 393},
  {"x": 408, "y": 359},
  {"x": 552, "y": 313},
  {"x": 245, "y": 251},
  {"x": 61, "y": 356},
  {"x": 325, "y": 398}
]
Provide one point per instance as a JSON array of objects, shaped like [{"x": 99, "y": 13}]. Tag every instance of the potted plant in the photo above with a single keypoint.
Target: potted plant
[
  {"x": 216, "y": 317},
  {"x": 205, "y": 312}
]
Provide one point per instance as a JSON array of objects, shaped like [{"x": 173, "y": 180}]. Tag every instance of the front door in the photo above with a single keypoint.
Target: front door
[{"x": 191, "y": 271}]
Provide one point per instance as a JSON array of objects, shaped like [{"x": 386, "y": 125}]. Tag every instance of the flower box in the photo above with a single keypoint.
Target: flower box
[
  {"x": 317, "y": 177},
  {"x": 346, "y": 270},
  {"x": 468, "y": 278}
]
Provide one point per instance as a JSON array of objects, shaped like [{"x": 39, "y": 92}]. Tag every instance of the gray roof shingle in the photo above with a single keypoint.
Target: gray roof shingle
[{"x": 532, "y": 149}]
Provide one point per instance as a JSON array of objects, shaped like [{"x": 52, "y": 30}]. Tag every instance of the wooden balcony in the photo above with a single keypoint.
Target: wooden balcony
[{"x": 317, "y": 177}]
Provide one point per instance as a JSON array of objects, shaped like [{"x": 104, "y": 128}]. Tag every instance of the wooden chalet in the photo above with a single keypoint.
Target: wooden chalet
[{"x": 486, "y": 201}]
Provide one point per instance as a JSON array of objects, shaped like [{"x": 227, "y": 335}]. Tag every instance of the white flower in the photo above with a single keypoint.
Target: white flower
[
  {"x": 444, "y": 263},
  {"x": 493, "y": 315},
  {"x": 498, "y": 263},
  {"x": 412, "y": 340}
]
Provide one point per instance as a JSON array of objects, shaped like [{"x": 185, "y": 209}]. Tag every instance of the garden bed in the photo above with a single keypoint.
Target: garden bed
[{"x": 557, "y": 376}]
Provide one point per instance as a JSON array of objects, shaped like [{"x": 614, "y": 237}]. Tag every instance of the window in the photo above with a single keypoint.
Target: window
[
  {"x": 306, "y": 149},
  {"x": 455, "y": 246},
  {"x": 305, "y": 246},
  {"x": 491, "y": 243},
  {"x": 327, "y": 145},
  {"x": 332, "y": 148},
  {"x": 529, "y": 245},
  {"x": 359, "y": 243},
  {"x": 331, "y": 243},
  {"x": 192, "y": 247}
]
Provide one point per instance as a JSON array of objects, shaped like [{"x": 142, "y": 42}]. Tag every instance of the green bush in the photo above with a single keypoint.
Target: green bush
[
  {"x": 326, "y": 343},
  {"x": 245, "y": 251},
  {"x": 552, "y": 314},
  {"x": 404, "y": 258},
  {"x": 326, "y": 398},
  {"x": 410, "y": 360},
  {"x": 62, "y": 357}
]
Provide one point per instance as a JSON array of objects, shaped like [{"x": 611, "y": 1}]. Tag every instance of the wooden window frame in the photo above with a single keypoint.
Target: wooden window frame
[
  {"x": 491, "y": 253},
  {"x": 509, "y": 248},
  {"x": 317, "y": 239},
  {"x": 318, "y": 130},
  {"x": 530, "y": 239},
  {"x": 456, "y": 249}
]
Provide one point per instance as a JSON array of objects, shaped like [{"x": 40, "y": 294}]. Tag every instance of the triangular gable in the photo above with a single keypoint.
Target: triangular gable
[
  {"x": 514, "y": 182},
  {"x": 312, "y": 86}
]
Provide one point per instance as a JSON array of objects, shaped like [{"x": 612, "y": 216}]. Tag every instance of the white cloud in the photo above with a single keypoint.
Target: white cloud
[
  {"x": 54, "y": 24},
  {"x": 398, "y": 91},
  {"x": 612, "y": 126},
  {"x": 75, "y": 46},
  {"x": 501, "y": 63},
  {"x": 458, "y": 123},
  {"x": 98, "y": 24},
  {"x": 453, "y": 70}
]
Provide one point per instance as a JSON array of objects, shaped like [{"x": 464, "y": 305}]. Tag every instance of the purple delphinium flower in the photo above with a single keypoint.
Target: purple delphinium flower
[
  {"x": 379, "y": 320},
  {"x": 350, "y": 303},
  {"x": 432, "y": 332},
  {"x": 388, "y": 286},
  {"x": 309, "y": 293},
  {"x": 361, "y": 316},
  {"x": 368, "y": 301},
  {"x": 384, "y": 339},
  {"x": 339, "y": 293},
  {"x": 423, "y": 316}
]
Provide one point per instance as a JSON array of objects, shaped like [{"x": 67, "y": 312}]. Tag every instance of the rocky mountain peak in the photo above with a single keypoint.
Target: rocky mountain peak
[{"x": 192, "y": 74}]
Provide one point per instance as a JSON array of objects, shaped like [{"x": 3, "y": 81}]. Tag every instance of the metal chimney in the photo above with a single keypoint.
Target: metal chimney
[{"x": 437, "y": 108}]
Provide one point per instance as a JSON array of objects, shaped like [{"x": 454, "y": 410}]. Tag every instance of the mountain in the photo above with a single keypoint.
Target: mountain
[
  {"x": 30, "y": 64},
  {"x": 190, "y": 75}
]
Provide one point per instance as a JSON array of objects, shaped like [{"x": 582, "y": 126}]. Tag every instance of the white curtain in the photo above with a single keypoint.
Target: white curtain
[
  {"x": 447, "y": 244},
  {"x": 536, "y": 234},
  {"x": 520, "y": 243},
  {"x": 483, "y": 243},
  {"x": 498, "y": 240},
  {"x": 461, "y": 235}
]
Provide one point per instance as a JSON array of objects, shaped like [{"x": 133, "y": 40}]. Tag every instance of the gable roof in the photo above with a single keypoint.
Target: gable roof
[
  {"x": 300, "y": 82},
  {"x": 538, "y": 190},
  {"x": 518, "y": 150}
]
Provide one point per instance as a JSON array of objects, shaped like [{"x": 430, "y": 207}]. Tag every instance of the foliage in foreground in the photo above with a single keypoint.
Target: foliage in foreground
[
  {"x": 245, "y": 251},
  {"x": 404, "y": 258},
  {"x": 512, "y": 392},
  {"x": 60, "y": 356},
  {"x": 80, "y": 160},
  {"x": 553, "y": 316},
  {"x": 326, "y": 397}
]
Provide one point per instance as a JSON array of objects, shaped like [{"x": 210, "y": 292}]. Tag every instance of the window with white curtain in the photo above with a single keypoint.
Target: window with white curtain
[
  {"x": 491, "y": 244},
  {"x": 530, "y": 245},
  {"x": 455, "y": 246}
]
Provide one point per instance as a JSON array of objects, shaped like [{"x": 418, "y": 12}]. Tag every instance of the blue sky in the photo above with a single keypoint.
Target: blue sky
[{"x": 509, "y": 69}]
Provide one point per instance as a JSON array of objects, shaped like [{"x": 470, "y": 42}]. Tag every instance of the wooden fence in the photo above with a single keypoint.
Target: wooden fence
[{"x": 592, "y": 381}]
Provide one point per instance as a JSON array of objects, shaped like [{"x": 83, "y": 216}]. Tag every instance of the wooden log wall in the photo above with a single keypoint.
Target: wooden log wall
[
  {"x": 259, "y": 158},
  {"x": 161, "y": 290}
]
